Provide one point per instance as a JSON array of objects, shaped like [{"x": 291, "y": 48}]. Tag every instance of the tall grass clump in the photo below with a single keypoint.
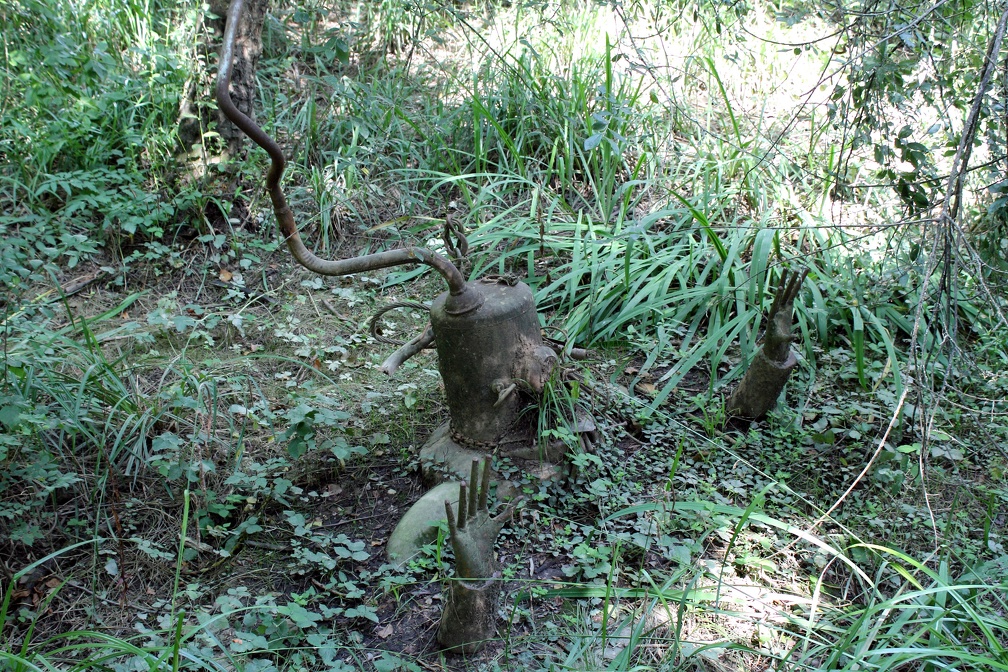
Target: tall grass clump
[
  {"x": 639, "y": 219},
  {"x": 867, "y": 606},
  {"x": 72, "y": 416},
  {"x": 929, "y": 620},
  {"x": 932, "y": 620},
  {"x": 577, "y": 128}
]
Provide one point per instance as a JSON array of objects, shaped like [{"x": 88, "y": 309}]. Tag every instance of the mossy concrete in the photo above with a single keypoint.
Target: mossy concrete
[
  {"x": 442, "y": 459},
  {"x": 419, "y": 526}
]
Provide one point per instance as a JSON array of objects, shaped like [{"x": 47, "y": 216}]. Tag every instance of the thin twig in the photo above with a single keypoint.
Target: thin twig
[
  {"x": 332, "y": 309},
  {"x": 943, "y": 255},
  {"x": 867, "y": 467},
  {"x": 112, "y": 603}
]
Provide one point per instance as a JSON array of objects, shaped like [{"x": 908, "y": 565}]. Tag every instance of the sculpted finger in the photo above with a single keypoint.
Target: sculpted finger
[
  {"x": 792, "y": 289},
  {"x": 485, "y": 485},
  {"x": 775, "y": 306},
  {"x": 497, "y": 522},
  {"x": 508, "y": 511},
  {"x": 473, "y": 487},
  {"x": 463, "y": 511},
  {"x": 801, "y": 281},
  {"x": 452, "y": 529}
]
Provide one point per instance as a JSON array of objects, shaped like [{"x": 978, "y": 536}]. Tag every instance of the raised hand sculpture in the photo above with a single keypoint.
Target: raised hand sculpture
[
  {"x": 778, "y": 338},
  {"x": 765, "y": 378},
  {"x": 469, "y": 619}
]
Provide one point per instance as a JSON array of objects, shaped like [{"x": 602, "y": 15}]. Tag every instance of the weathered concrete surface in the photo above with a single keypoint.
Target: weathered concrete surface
[
  {"x": 441, "y": 458},
  {"x": 420, "y": 524}
]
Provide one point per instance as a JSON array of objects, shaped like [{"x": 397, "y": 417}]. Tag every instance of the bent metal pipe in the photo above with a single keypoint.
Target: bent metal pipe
[{"x": 464, "y": 297}]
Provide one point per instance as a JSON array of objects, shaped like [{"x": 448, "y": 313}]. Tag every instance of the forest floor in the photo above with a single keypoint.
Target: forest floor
[
  {"x": 206, "y": 460},
  {"x": 290, "y": 546}
]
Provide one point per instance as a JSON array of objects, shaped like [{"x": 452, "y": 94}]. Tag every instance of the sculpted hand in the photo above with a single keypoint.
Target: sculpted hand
[
  {"x": 474, "y": 533},
  {"x": 778, "y": 338}
]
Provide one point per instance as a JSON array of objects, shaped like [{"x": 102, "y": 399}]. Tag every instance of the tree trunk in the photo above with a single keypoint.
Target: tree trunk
[
  {"x": 193, "y": 122},
  {"x": 248, "y": 49}
]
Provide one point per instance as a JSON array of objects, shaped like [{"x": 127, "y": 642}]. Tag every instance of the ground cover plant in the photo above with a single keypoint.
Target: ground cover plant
[{"x": 201, "y": 463}]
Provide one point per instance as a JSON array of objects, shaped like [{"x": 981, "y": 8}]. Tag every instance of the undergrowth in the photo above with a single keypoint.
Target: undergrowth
[{"x": 200, "y": 465}]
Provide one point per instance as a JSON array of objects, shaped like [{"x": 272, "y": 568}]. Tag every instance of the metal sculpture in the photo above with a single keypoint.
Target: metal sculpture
[
  {"x": 469, "y": 618},
  {"x": 764, "y": 380},
  {"x": 491, "y": 356}
]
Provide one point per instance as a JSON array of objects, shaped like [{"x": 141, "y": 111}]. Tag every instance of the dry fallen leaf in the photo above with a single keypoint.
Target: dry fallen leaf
[
  {"x": 646, "y": 388},
  {"x": 384, "y": 632}
]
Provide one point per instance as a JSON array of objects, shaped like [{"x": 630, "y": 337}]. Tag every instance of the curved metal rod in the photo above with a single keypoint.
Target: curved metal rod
[
  {"x": 457, "y": 285},
  {"x": 414, "y": 347}
]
